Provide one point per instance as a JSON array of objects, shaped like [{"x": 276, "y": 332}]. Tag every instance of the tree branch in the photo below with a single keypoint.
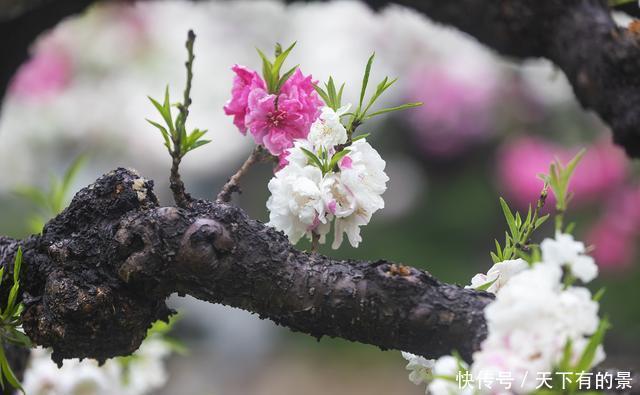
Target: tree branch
[{"x": 99, "y": 275}]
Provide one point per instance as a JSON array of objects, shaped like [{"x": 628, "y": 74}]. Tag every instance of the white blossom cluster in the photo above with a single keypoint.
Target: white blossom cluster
[
  {"x": 306, "y": 199},
  {"x": 530, "y": 322},
  {"x": 143, "y": 373}
]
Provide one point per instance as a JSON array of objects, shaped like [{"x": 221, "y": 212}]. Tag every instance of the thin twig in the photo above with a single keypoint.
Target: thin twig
[
  {"x": 181, "y": 197},
  {"x": 233, "y": 184},
  {"x": 315, "y": 242}
]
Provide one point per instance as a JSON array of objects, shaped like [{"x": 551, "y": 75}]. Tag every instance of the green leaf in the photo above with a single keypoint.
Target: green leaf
[
  {"x": 589, "y": 353},
  {"x": 340, "y": 92},
  {"x": 323, "y": 95},
  {"x": 337, "y": 157},
  {"x": 486, "y": 286},
  {"x": 280, "y": 59},
  {"x": 360, "y": 137},
  {"x": 313, "y": 159},
  {"x": 17, "y": 266},
  {"x": 286, "y": 77},
  {"x": 267, "y": 71},
  {"x": 541, "y": 221},
  {"x": 35, "y": 195},
  {"x": 511, "y": 221},
  {"x": 163, "y": 131},
  {"x": 365, "y": 80},
  {"x": 565, "y": 362},
  {"x": 393, "y": 109},
  {"x": 600, "y": 294}
]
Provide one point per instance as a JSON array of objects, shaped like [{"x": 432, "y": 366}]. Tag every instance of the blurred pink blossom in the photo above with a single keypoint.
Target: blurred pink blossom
[
  {"x": 45, "y": 74},
  {"x": 457, "y": 112},
  {"x": 614, "y": 235},
  {"x": 603, "y": 168}
]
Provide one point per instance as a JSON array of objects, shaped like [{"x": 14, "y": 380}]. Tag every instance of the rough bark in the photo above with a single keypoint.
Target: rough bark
[
  {"x": 601, "y": 60},
  {"x": 99, "y": 275}
]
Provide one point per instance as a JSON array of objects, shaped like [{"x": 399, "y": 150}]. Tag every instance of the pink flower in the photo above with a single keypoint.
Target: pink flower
[
  {"x": 276, "y": 121},
  {"x": 614, "y": 247},
  {"x": 614, "y": 235},
  {"x": 520, "y": 161},
  {"x": 244, "y": 81},
  {"x": 457, "y": 113},
  {"x": 47, "y": 73}
]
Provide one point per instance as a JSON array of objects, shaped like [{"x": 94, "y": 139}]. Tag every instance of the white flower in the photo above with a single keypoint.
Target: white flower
[
  {"x": 529, "y": 324},
  {"x": 362, "y": 175},
  {"x": 421, "y": 368},
  {"x": 448, "y": 367},
  {"x": 144, "y": 373},
  {"x": 304, "y": 200},
  {"x": 499, "y": 274},
  {"x": 564, "y": 250},
  {"x": 296, "y": 205},
  {"x": 328, "y": 131}
]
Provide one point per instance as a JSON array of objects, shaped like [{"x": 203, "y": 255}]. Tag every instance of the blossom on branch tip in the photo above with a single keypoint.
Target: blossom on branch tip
[
  {"x": 328, "y": 131},
  {"x": 277, "y": 120}
]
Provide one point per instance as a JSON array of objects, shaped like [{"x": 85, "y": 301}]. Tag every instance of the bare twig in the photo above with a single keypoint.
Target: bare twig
[
  {"x": 181, "y": 197},
  {"x": 233, "y": 184}
]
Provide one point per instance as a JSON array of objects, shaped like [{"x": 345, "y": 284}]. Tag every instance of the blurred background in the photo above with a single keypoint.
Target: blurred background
[{"x": 488, "y": 127}]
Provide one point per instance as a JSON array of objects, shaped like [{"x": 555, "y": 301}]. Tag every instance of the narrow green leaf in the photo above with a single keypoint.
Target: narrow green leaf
[
  {"x": 393, "y": 109},
  {"x": 323, "y": 95},
  {"x": 165, "y": 115},
  {"x": 313, "y": 158},
  {"x": 360, "y": 137},
  {"x": 511, "y": 221},
  {"x": 584, "y": 364},
  {"x": 541, "y": 221},
  {"x": 486, "y": 286},
  {"x": 286, "y": 77},
  {"x": 337, "y": 157},
  {"x": 598, "y": 296},
  {"x": 365, "y": 80},
  {"x": 277, "y": 65}
]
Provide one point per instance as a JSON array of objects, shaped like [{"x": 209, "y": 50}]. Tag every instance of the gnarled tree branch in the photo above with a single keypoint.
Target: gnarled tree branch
[{"x": 99, "y": 275}]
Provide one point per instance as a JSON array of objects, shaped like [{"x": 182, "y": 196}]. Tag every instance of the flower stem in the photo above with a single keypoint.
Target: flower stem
[
  {"x": 233, "y": 184},
  {"x": 315, "y": 242}
]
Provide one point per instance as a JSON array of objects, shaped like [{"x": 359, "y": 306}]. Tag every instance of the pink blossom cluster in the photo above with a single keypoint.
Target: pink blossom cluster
[
  {"x": 44, "y": 75},
  {"x": 459, "y": 111},
  {"x": 603, "y": 167},
  {"x": 274, "y": 120},
  {"x": 614, "y": 235}
]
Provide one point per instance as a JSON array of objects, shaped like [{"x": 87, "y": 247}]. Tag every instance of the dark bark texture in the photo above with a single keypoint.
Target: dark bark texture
[
  {"x": 601, "y": 60},
  {"x": 98, "y": 276}
]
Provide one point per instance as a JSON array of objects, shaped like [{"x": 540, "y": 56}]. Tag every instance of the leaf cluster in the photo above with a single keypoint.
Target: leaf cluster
[
  {"x": 174, "y": 133},
  {"x": 323, "y": 161},
  {"x": 271, "y": 69},
  {"x": 584, "y": 363},
  {"x": 517, "y": 238},
  {"x": 11, "y": 325},
  {"x": 558, "y": 180},
  {"x": 333, "y": 98},
  {"x": 50, "y": 202}
]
